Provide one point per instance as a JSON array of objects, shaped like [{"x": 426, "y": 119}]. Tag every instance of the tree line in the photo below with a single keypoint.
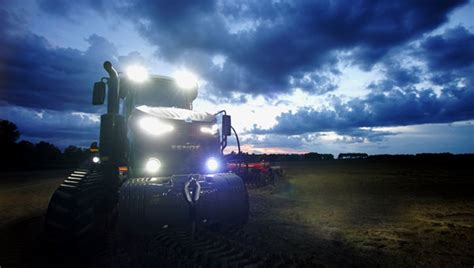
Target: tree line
[{"x": 25, "y": 155}]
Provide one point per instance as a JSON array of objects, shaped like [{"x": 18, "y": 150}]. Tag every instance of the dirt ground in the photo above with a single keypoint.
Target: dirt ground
[
  {"x": 380, "y": 213},
  {"x": 24, "y": 195},
  {"x": 334, "y": 213}
]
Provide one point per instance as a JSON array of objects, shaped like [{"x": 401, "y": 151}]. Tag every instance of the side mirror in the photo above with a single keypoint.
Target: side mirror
[
  {"x": 226, "y": 125},
  {"x": 98, "y": 95}
]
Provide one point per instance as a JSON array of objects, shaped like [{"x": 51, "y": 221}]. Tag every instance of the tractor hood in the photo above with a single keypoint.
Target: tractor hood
[
  {"x": 176, "y": 138},
  {"x": 178, "y": 114}
]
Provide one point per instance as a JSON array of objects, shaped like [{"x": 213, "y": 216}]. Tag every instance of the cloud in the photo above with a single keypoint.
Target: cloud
[
  {"x": 308, "y": 141},
  {"x": 271, "y": 47},
  {"x": 362, "y": 135},
  {"x": 265, "y": 141},
  {"x": 400, "y": 98},
  {"x": 316, "y": 83},
  {"x": 450, "y": 50},
  {"x": 70, "y": 9},
  {"x": 38, "y": 75},
  {"x": 265, "y": 43},
  {"x": 248, "y": 48},
  {"x": 60, "y": 128},
  {"x": 392, "y": 108},
  {"x": 449, "y": 56}
]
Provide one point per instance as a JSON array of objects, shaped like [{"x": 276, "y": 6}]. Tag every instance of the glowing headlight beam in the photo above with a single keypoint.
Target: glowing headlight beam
[
  {"x": 185, "y": 79},
  {"x": 152, "y": 165},
  {"x": 96, "y": 160},
  {"x": 154, "y": 126},
  {"x": 212, "y": 164},
  {"x": 137, "y": 73}
]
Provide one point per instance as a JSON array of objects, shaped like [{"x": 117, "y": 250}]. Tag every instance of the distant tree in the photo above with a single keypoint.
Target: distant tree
[
  {"x": 26, "y": 154},
  {"x": 46, "y": 154},
  {"x": 327, "y": 157},
  {"x": 352, "y": 156},
  {"x": 317, "y": 156},
  {"x": 9, "y": 133},
  {"x": 26, "y": 146},
  {"x": 73, "y": 151},
  {"x": 74, "y": 155}
]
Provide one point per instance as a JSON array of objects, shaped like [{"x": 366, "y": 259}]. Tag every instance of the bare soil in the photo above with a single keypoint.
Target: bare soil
[{"x": 334, "y": 213}]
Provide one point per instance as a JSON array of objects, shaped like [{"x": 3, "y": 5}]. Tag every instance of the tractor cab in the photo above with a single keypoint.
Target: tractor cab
[{"x": 165, "y": 135}]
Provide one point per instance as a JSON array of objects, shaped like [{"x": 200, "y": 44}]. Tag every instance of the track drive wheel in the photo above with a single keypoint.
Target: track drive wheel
[{"x": 71, "y": 219}]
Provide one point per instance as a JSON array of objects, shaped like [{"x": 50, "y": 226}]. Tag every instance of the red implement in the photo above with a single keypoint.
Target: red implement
[{"x": 255, "y": 174}]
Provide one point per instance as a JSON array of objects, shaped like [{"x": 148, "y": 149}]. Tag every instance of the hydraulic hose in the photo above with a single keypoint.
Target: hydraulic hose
[{"x": 237, "y": 138}]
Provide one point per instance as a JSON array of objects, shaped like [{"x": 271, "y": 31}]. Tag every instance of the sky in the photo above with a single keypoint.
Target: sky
[{"x": 381, "y": 77}]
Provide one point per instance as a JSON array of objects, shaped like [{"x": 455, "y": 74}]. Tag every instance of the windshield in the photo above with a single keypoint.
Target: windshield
[{"x": 159, "y": 92}]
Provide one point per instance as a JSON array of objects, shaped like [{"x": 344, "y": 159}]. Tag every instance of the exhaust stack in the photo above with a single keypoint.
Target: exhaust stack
[{"x": 113, "y": 86}]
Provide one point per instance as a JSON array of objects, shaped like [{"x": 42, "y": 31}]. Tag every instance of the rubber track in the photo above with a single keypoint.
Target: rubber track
[{"x": 71, "y": 211}]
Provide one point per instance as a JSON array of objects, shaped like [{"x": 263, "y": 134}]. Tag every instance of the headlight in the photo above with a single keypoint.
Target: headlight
[
  {"x": 96, "y": 160},
  {"x": 152, "y": 165},
  {"x": 185, "y": 79},
  {"x": 154, "y": 126},
  {"x": 212, "y": 164},
  {"x": 137, "y": 73},
  {"x": 210, "y": 130}
]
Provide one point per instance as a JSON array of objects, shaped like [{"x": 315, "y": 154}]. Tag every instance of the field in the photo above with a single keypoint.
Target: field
[{"x": 329, "y": 213}]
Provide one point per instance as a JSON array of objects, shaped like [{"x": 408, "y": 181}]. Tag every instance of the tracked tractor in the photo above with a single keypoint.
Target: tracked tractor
[{"x": 158, "y": 163}]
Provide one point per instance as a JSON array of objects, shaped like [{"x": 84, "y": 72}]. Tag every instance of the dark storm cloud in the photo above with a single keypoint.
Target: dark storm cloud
[
  {"x": 35, "y": 74},
  {"x": 397, "y": 75},
  {"x": 38, "y": 75},
  {"x": 269, "y": 43},
  {"x": 378, "y": 109},
  {"x": 61, "y": 128},
  {"x": 451, "y": 50},
  {"x": 394, "y": 100},
  {"x": 316, "y": 83},
  {"x": 269, "y": 48},
  {"x": 70, "y": 9},
  {"x": 449, "y": 56}
]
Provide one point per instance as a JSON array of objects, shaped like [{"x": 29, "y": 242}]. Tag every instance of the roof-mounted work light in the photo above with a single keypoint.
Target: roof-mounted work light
[
  {"x": 137, "y": 73},
  {"x": 185, "y": 79}
]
